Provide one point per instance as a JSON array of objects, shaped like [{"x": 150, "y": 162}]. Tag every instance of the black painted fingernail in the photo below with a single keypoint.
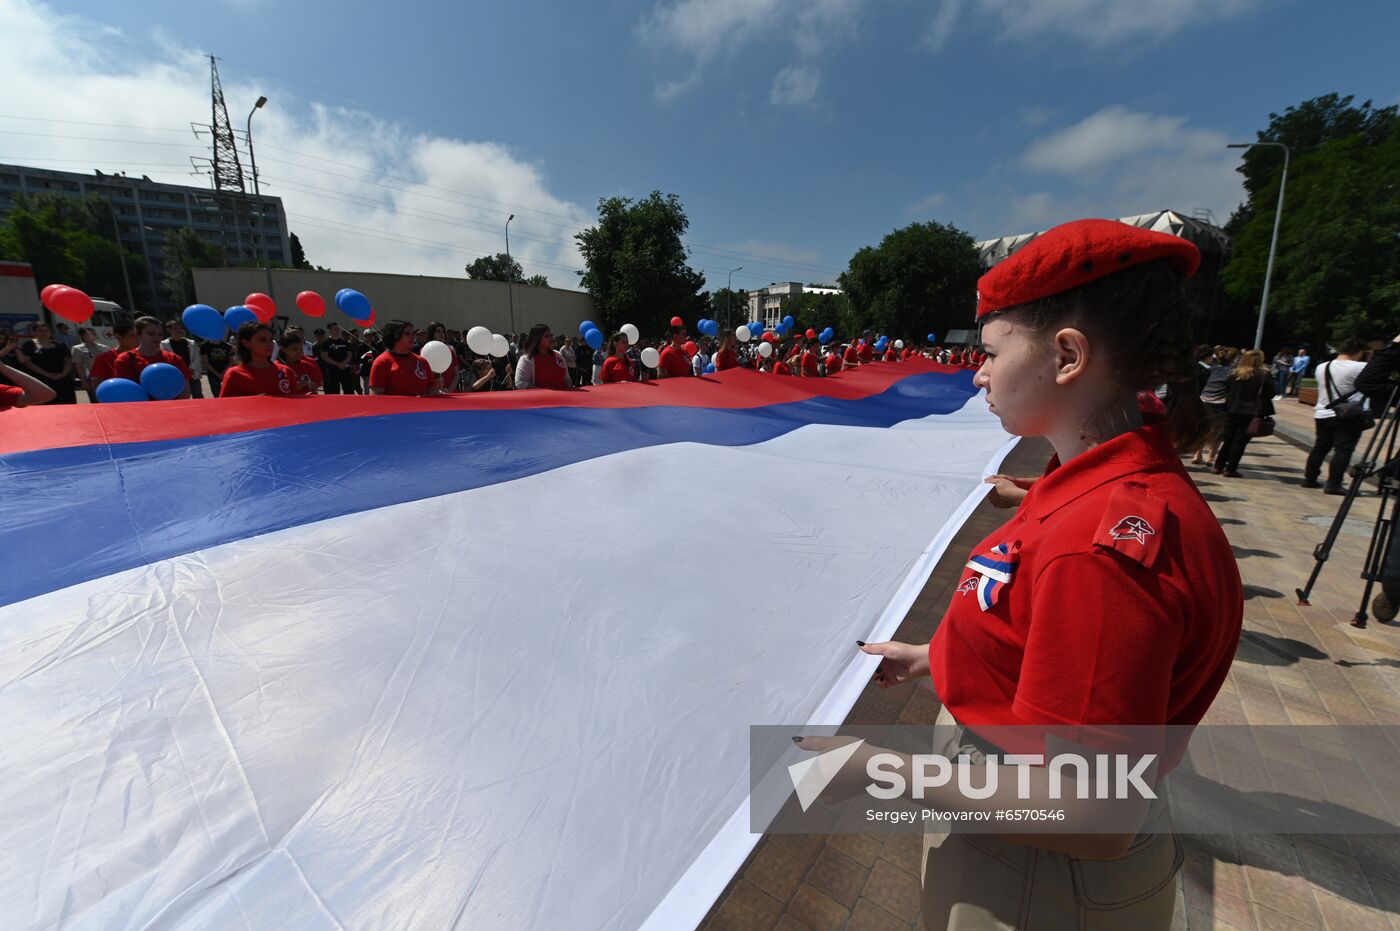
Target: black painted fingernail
[
  {"x": 797, "y": 740},
  {"x": 860, "y": 643}
]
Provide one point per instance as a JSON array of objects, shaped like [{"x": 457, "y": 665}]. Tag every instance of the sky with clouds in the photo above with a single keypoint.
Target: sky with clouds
[{"x": 401, "y": 136}]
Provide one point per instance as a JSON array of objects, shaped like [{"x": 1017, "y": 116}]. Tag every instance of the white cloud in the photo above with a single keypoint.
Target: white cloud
[
  {"x": 1096, "y": 22},
  {"x": 795, "y": 86},
  {"x": 363, "y": 193},
  {"x": 1120, "y": 162},
  {"x": 944, "y": 22},
  {"x": 925, "y": 205},
  {"x": 702, "y": 31}
]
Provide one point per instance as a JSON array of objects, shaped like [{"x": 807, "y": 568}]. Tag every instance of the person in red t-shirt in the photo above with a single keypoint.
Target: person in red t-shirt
[
  {"x": 293, "y": 356},
  {"x": 674, "y": 362},
  {"x": 149, "y": 333},
  {"x": 24, "y": 390},
  {"x": 727, "y": 356},
  {"x": 398, "y": 370},
  {"x": 540, "y": 364},
  {"x": 257, "y": 373},
  {"x": 851, "y": 356},
  {"x": 105, "y": 365},
  {"x": 777, "y": 366},
  {"x": 866, "y": 350},
  {"x": 891, "y": 355},
  {"x": 808, "y": 366},
  {"x": 1111, "y": 600},
  {"x": 617, "y": 366},
  {"x": 833, "y": 361}
]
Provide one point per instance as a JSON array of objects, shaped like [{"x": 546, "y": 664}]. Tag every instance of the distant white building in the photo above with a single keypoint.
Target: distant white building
[{"x": 767, "y": 304}]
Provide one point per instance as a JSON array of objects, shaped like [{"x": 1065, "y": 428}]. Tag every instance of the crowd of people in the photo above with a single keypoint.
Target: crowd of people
[{"x": 47, "y": 366}]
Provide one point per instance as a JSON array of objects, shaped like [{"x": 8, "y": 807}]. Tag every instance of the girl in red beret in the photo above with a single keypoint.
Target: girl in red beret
[{"x": 1111, "y": 600}]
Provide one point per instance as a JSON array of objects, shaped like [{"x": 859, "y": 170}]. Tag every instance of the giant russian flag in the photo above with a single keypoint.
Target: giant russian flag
[{"x": 481, "y": 661}]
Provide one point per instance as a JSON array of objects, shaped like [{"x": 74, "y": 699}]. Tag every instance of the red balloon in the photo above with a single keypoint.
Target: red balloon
[
  {"x": 365, "y": 323},
  {"x": 690, "y": 348},
  {"x": 49, "y": 289},
  {"x": 677, "y": 321},
  {"x": 262, "y": 305},
  {"x": 311, "y": 304},
  {"x": 70, "y": 304},
  {"x": 811, "y": 334}
]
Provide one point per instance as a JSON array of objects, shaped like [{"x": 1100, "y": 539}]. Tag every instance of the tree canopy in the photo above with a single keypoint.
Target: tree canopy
[
  {"x": 636, "y": 265},
  {"x": 1337, "y": 271},
  {"x": 498, "y": 267},
  {"x": 69, "y": 240},
  {"x": 919, "y": 278}
]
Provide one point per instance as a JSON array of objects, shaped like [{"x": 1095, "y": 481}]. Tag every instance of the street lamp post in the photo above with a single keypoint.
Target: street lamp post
[
  {"x": 510, "y": 278},
  {"x": 1273, "y": 244},
  {"x": 257, "y": 192},
  {"x": 121, "y": 250},
  {"x": 729, "y": 297}
]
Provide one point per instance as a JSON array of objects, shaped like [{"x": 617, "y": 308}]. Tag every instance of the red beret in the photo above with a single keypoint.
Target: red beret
[{"x": 1075, "y": 254}]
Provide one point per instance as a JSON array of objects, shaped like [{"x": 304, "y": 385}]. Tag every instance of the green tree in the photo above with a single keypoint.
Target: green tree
[
  {"x": 298, "y": 253},
  {"x": 538, "y": 281},
  {"x": 731, "y": 307},
  {"x": 637, "y": 266},
  {"x": 498, "y": 267},
  {"x": 818, "y": 311},
  {"x": 69, "y": 240},
  {"x": 1338, "y": 261},
  {"x": 184, "y": 252},
  {"x": 919, "y": 278}
]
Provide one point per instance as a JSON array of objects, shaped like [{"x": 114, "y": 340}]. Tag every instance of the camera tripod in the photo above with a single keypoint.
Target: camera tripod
[{"x": 1387, "y": 474}]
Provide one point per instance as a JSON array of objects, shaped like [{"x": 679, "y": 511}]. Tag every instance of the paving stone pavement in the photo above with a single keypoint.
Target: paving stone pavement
[{"x": 1295, "y": 665}]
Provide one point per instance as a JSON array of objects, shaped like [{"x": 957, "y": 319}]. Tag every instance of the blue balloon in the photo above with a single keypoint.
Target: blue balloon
[
  {"x": 353, "y": 304},
  {"x": 714, "y": 328},
  {"x": 120, "y": 390},
  {"x": 789, "y": 321},
  {"x": 204, "y": 321},
  {"x": 162, "y": 381},
  {"x": 235, "y": 317},
  {"x": 710, "y": 369},
  {"x": 933, "y": 337},
  {"x": 594, "y": 338},
  {"x": 585, "y": 326}
]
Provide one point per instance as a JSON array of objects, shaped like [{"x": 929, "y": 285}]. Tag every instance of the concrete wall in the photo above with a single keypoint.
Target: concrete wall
[{"x": 459, "y": 303}]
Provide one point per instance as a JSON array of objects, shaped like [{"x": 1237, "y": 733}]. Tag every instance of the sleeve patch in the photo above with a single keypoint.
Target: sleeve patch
[{"x": 1133, "y": 524}]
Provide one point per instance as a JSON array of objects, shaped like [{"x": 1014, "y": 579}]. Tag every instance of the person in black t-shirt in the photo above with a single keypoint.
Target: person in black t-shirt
[
  {"x": 50, "y": 361},
  {"x": 217, "y": 357},
  {"x": 336, "y": 362}
]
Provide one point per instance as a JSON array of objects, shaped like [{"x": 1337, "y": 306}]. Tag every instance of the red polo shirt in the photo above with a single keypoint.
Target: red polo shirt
[
  {"x": 1124, "y": 607},
  {"x": 104, "y": 366},
  {"x": 407, "y": 374},
  {"x": 675, "y": 362},
  {"x": 726, "y": 359},
  {"x": 243, "y": 381},
  {"x": 308, "y": 373},
  {"x": 131, "y": 363},
  {"x": 615, "y": 369}
]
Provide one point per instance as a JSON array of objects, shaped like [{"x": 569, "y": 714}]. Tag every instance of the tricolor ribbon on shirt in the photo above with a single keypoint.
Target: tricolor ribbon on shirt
[{"x": 994, "y": 571}]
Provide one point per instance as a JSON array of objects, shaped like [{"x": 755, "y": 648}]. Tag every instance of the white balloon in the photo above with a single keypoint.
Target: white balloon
[
  {"x": 633, "y": 334},
  {"x": 742, "y": 334},
  {"x": 500, "y": 346},
  {"x": 765, "y": 349},
  {"x": 899, "y": 344},
  {"x": 438, "y": 355},
  {"x": 479, "y": 340},
  {"x": 650, "y": 357}
]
